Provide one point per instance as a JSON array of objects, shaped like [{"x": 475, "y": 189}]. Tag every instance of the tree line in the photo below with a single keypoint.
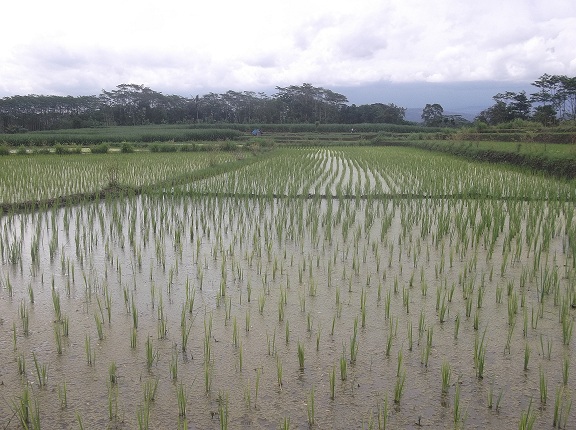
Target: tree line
[
  {"x": 133, "y": 104},
  {"x": 554, "y": 101}
]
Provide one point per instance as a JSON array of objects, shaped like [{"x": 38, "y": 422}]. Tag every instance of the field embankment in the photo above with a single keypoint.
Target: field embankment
[{"x": 554, "y": 159}]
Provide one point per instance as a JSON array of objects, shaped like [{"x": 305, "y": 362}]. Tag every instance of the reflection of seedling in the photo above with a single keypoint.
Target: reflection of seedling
[
  {"x": 279, "y": 370},
  {"x": 301, "y": 355}
]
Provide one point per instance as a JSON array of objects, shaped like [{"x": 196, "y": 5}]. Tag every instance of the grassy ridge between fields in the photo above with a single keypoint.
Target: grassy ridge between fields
[{"x": 558, "y": 160}]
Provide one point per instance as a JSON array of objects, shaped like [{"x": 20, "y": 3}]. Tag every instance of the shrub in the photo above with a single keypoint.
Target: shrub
[
  {"x": 228, "y": 146},
  {"x": 4, "y": 150},
  {"x": 126, "y": 148},
  {"x": 60, "y": 150},
  {"x": 100, "y": 149}
]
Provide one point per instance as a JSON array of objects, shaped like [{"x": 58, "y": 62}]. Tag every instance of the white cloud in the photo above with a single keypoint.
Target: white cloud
[{"x": 61, "y": 46}]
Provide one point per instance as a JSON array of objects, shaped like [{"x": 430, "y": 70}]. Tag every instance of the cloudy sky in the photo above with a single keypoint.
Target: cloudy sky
[{"x": 408, "y": 52}]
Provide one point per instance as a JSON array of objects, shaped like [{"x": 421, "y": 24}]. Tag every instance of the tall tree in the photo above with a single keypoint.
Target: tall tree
[{"x": 433, "y": 115}]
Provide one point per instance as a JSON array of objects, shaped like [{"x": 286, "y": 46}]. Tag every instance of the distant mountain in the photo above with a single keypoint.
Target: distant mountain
[{"x": 469, "y": 113}]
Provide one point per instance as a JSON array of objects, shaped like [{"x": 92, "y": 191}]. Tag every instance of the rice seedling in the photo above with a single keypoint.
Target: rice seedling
[
  {"x": 173, "y": 367},
  {"x": 343, "y": 368},
  {"x": 223, "y": 410},
  {"x": 546, "y": 352},
  {"x": 112, "y": 373},
  {"x": 207, "y": 376},
  {"x": 443, "y": 309},
  {"x": 133, "y": 337},
  {"x": 14, "y": 337},
  {"x": 310, "y": 407},
  {"x": 134, "y": 314},
  {"x": 25, "y": 316},
  {"x": 410, "y": 340},
  {"x": 80, "y": 421},
  {"x": 300, "y": 356},
  {"x": 399, "y": 387},
  {"x": 234, "y": 333},
  {"x": 152, "y": 354},
  {"x": 543, "y": 387},
  {"x": 562, "y": 406},
  {"x": 490, "y": 404},
  {"x": 65, "y": 325},
  {"x": 565, "y": 369},
  {"x": 27, "y": 410},
  {"x": 143, "y": 416},
  {"x": 285, "y": 424},
  {"x": 526, "y": 356},
  {"x": 56, "y": 303},
  {"x": 354, "y": 344},
  {"x": 30, "y": 293},
  {"x": 150, "y": 388},
  {"x": 567, "y": 326},
  {"x": 99, "y": 327},
  {"x": 257, "y": 386},
  {"x": 468, "y": 307},
  {"x": 41, "y": 371},
  {"x": 446, "y": 373},
  {"x": 261, "y": 303},
  {"x": 479, "y": 354},
  {"x": 459, "y": 414},
  {"x": 332, "y": 378},
  {"x": 63, "y": 395},
  {"x": 476, "y": 322},
  {"x": 21, "y": 364},
  {"x": 112, "y": 401},
  {"x": 182, "y": 399},
  {"x": 456, "y": 326},
  {"x": 90, "y": 353},
  {"x": 527, "y": 418},
  {"x": 58, "y": 339},
  {"x": 240, "y": 356}
]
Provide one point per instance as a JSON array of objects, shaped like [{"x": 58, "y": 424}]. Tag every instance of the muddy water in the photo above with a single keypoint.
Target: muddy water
[{"x": 303, "y": 253}]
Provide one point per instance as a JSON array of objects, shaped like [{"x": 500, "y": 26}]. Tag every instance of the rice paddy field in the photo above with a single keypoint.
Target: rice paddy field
[{"x": 340, "y": 287}]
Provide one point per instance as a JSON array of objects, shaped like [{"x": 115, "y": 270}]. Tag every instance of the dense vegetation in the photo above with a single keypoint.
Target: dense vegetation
[{"x": 131, "y": 104}]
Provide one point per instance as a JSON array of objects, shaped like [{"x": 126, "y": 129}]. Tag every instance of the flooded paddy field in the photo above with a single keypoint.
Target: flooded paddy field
[{"x": 342, "y": 288}]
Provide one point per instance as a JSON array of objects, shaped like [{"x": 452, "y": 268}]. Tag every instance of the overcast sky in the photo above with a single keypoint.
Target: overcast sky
[{"x": 408, "y": 52}]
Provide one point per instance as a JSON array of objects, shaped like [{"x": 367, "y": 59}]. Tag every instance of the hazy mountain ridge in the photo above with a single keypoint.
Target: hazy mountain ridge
[{"x": 469, "y": 113}]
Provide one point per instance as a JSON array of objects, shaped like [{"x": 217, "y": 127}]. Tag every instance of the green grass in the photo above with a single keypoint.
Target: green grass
[{"x": 120, "y": 134}]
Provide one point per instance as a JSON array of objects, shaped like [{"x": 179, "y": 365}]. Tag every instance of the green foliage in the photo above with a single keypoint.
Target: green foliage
[
  {"x": 145, "y": 134},
  {"x": 100, "y": 149},
  {"x": 126, "y": 148}
]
